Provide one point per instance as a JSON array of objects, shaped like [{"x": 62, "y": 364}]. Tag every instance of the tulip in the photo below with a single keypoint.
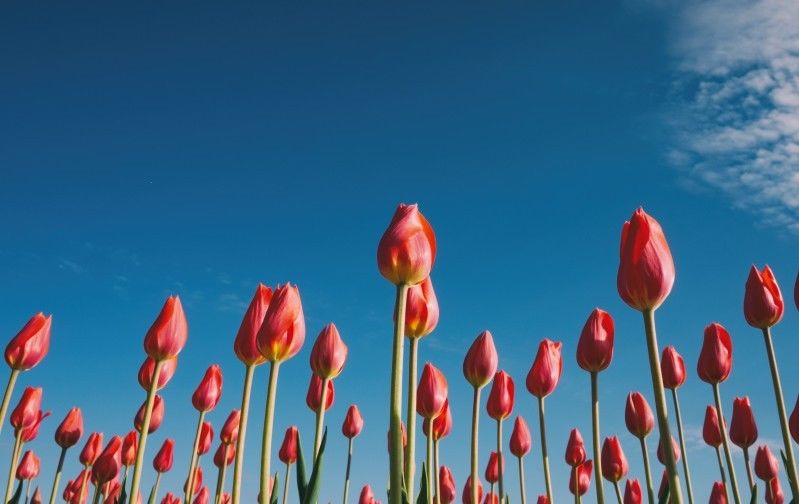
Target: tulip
[
  {"x": 520, "y": 444},
  {"x": 108, "y": 464},
  {"x": 447, "y": 492},
  {"x": 28, "y": 466},
  {"x": 197, "y": 481},
  {"x": 543, "y": 499},
  {"x": 168, "y": 368},
  {"x": 407, "y": 250},
  {"x": 203, "y": 438},
  {"x": 491, "y": 498},
  {"x": 68, "y": 433},
  {"x": 743, "y": 431},
  {"x": 441, "y": 427},
  {"x": 500, "y": 406},
  {"x": 230, "y": 429},
  {"x": 431, "y": 397},
  {"x": 26, "y": 415},
  {"x": 313, "y": 398},
  {"x": 288, "y": 454},
  {"x": 711, "y": 433},
  {"x": 673, "y": 369},
  {"x": 366, "y": 497},
  {"x": 469, "y": 492},
  {"x": 280, "y": 337},
  {"x": 675, "y": 450},
  {"x": 170, "y": 499},
  {"x": 205, "y": 398},
  {"x": 202, "y": 496},
  {"x": 129, "y": 443},
  {"x": 575, "y": 449},
  {"x": 353, "y": 423},
  {"x": 163, "y": 459},
  {"x": 156, "y": 418},
  {"x": 492, "y": 469},
  {"x": 37, "y": 497},
  {"x": 794, "y": 421},
  {"x": 632, "y": 492},
  {"x": 719, "y": 494},
  {"x": 206, "y": 438},
  {"x": 614, "y": 463},
  {"x": 30, "y": 433},
  {"x": 328, "y": 355},
  {"x": 222, "y": 458},
  {"x": 774, "y": 492},
  {"x": 766, "y": 465},
  {"x": 580, "y": 478},
  {"x": 92, "y": 449},
  {"x": 640, "y": 422}
]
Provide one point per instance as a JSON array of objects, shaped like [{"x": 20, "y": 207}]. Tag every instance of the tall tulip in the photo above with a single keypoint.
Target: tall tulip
[
  {"x": 28, "y": 470},
  {"x": 632, "y": 492},
  {"x": 24, "y": 416},
  {"x": 500, "y": 406},
  {"x": 640, "y": 422},
  {"x": 430, "y": 401},
  {"x": 328, "y": 355},
  {"x": 229, "y": 433},
  {"x": 766, "y": 465},
  {"x": 673, "y": 368},
  {"x": 472, "y": 494},
  {"x": 441, "y": 427},
  {"x": 279, "y": 338},
  {"x": 492, "y": 471},
  {"x": 156, "y": 417},
  {"x": 91, "y": 450},
  {"x": 287, "y": 454},
  {"x": 353, "y": 423},
  {"x": 67, "y": 435},
  {"x": 520, "y": 444},
  {"x": 168, "y": 368},
  {"x": 107, "y": 466},
  {"x": 711, "y": 433},
  {"x": 614, "y": 463},
  {"x": 204, "y": 399},
  {"x": 129, "y": 443},
  {"x": 575, "y": 449},
  {"x": 367, "y": 496},
  {"x": 743, "y": 431},
  {"x": 223, "y": 457}
]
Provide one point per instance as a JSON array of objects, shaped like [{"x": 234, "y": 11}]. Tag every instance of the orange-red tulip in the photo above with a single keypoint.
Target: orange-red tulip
[
  {"x": 224, "y": 455},
  {"x": 70, "y": 430},
  {"x": 108, "y": 464},
  {"x": 715, "y": 359},
  {"x": 466, "y": 495},
  {"x": 500, "y": 399},
  {"x": 672, "y": 368},
  {"x": 168, "y": 368},
  {"x": 156, "y": 417},
  {"x": 632, "y": 492},
  {"x": 491, "y": 498},
  {"x": 163, "y": 459},
  {"x": 37, "y": 497},
  {"x": 646, "y": 268},
  {"x": 492, "y": 468},
  {"x": 314, "y": 396},
  {"x": 28, "y": 409},
  {"x": 766, "y": 465},
  {"x": 283, "y": 330},
  {"x": 353, "y": 422},
  {"x": 407, "y": 250},
  {"x": 446, "y": 483},
  {"x": 230, "y": 429},
  {"x": 575, "y": 449},
  {"x": 547, "y": 367},
  {"x": 203, "y": 496},
  {"x": 30, "y": 345},
  {"x": 329, "y": 353},
  {"x": 614, "y": 463},
  {"x": 29, "y": 466},
  {"x": 774, "y": 492},
  {"x": 288, "y": 450},
  {"x": 225, "y": 498},
  {"x": 205, "y": 439},
  {"x": 442, "y": 424},
  {"x": 711, "y": 430},
  {"x": 675, "y": 448},
  {"x": 743, "y": 429},
  {"x": 113, "y": 492},
  {"x": 169, "y": 498},
  {"x": 129, "y": 445},
  {"x": 719, "y": 494},
  {"x": 542, "y": 499},
  {"x": 581, "y": 475},
  {"x": 30, "y": 432},
  {"x": 763, "y": 303},
  {"x": 481, "y": 360},
  {"x": 167, "y": 336},
  {"x": 638, "y": 415},
  {"x": 92, "y": 449},
  {"x": 793, "y": 421},
  {"x": 209, "y": 391},
  {"x": 421, "y": 311},
  {"x": 595, "y": 347},
  {"x": 431, "y": 393},
  {"x": 367, "y": 496},
  {"x": 197, "y": 481},
  {"x": 246, "y": 342},
  {"x": 520, "y": 440}
]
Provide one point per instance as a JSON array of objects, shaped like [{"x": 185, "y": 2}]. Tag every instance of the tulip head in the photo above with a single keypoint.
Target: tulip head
[
  {"x": 575, "y": 449},
  {"x": 447, "y": 484},
  {"x": 156, "y": 417},
  {"x": 29, "y": 466},
  {"x": 203, "y": 496},
  {"x": 129, "y": 446},
  {"x": 774, "y": 493},
  {"x": 197, "y": 482},
  {"x": 169, "y": 498},
  {"x": 743, "y": 429},
  {"x": 30, "y": 345},
  {"x": 28, "y": 409},
  {"x": 30, "y": 433},
  {"x": 37, "y": 497},
  {"x": 246, "y": 342},
  {"x": 205, "y": 439},
  {"x": 547, "y": 367},
  {"x": 314, "y": 396},
  {"x": 675, "y": 449},
  {"x": 542, "y": 499},
  {"x": 329, "y": 353},
  {"x": 353, "y": 422},
  {"x": 491, "y": 498},
  {"x": 520, "y": 439},
  {"x": 632, "y": 492},
  {"x": 432, "y": 392},
  {"x": 167, "y": 336},
  {"x": 407, "y": 250},
  {"x": 466, "y": 495},
  {"x": 421, "y": 311},
  {"x": 163, "y": 459},
  {"x": 766, "y": 465},
  {"x": 718, "y": 495},
  {"x": 500, "y": 399},
  {"x": 614, "y": 463},
  {"x": 108, "y": 464},
  {"x": 711, "y": 429},
  {"x": 92, "y": 448},
  {"x": 595, "y": 347},
  {"x": 282, "y": 332},
  {"x": 492, "y": 468},
  {"x": 580, "y": 478},
  {"x": 70, "y": 430},
  {"x": 224, "y": 455},
  {"x": 481, "y": 360},
  {"x": 715, "y": 359},
  {"x": 646, "y": 268},
  {"x": 672, "y": 368},
  {"x": 763, "y": 303},
  {"x": 638, "y": 415},
  {"x": 168, "y": 368},
  {"x": 230, "y": 429},
  {"x": 367, "y": 496},
  {"x": 288, "y": 450},
  {"x": 209, "y": 391},
  {"x": 793, "y": 422},
  {"x": 442, "y": 423}
]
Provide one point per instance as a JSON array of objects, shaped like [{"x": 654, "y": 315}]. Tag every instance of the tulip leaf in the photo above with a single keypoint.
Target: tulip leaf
[
  {"x": 302, "y": 480},
  {"x": 422, "y": 498},
  {"x": 312, "y": 489},
  {"x": 665, "y": 497},
  {"x": 17, "y": 494},
  {"x": 275, "y": 490},
  {"x": 123, "y": 495},
  {"x": 753, "y": 500}
]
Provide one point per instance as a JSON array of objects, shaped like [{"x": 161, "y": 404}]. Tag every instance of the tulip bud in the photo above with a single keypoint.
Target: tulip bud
[
  {"x": 774, "y": 492},
  {"x": 432, "y": 392},
  {"x": 719, "y": 494},
  {"x": 793, "y": 422},
  {"x": 92, "y": 448},
  {"x": 329, "y": 353},
  {"x": 366, "y": 497},
  {"x": 353, "y": 422},
  {"x": 28, "y": 467},
  {"x": 283, "y": 331},
  {"x": 466, "y": 495},
  {"x": 442, "y": 423},
  {"x": 30, "y": 345},
  {"x": 28, "y": 409},
  {"x": 614, "y": 463},
  {"x": 168, "y": 368},
  {"x": 169, "y": 498},
  {"x": 481, "y": 360},
  {"x": 70, "y": 430},
  {"x": 246, "y": 342},
  {"x": 575, "y": 449},
  {"x": 711, "y": 430},
  {"x": 542, "y": 499},
  {"x": 595, "y": 347},
  {"x": 37, "y": 497},
  {"x": 492, "y": 468},
  {"x": 224, "y": 455},
  {"x": 167, "y": 336},
  {"x": 763, "y": 303},
  {"x": 314, "y": 396},
  {"x": 766, "y": 465},
  {"x": 30, "y": 432},
  {"x": 447, "y": 484},
  {"x": 108, "y": 464},
  {"x": 632, "y": 492},
  {"x": 491, "y": 498},
  {"x": 675, "y": 448},
  {"x": 202, "y": 496},
  {"x": 743, "y": 429},
  {"x": 715, "y": 359},
  {"x": 156, "y": 417},
  {"x": 520, "y": 440},
  {"x": 546, "y": 370},
  {"x": 288, "y": 450},
  {"x": 672, "y": 368},
  {"x": 421, "y": 311},
  {"x": 230, "y": 430},
  {"x": 664, "y": 485},
  {"x": 205, "y": 439},
  {"x": 163, "y": 459},
  {"x": 197, "y": 482},
  {"x": 407, "y": 250},
  {"x": 225, "y": 498},
  {"x": 581, "y": 475},
  {"x": 646, "y": 268},
  {"x": 638, "y": 415},
  {"x": 112, "y": 493},
  {"x": 209, "y": 391},
  {"x": 500, "y": 399},
  {"x": 129, "y": 446}
]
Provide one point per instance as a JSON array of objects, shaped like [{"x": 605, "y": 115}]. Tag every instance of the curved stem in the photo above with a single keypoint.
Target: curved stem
[
  {"x": 678, "y": 416},
  {"x": 544, "y": 456},
  {"x": 618, "y": 491},
  {"x": 650, "y": 490},
  {"x": 148, "y": 412},
  {"x": 600, "y": 491},
  {"x": 12, "y": 468},
  {"x": 266, "y": 442},
  {"x": 245, "y": 411},
  {"x": 347, "y": 474},
  {"x": 410, "y": 418},
  {"x": 749, "y": 477},
  {"x": 500, "y": 463},
  {"x": 193, "y": 460},
  {"x": 154, "y": 491},
  {"x": 395, "y": 403},
  {"x": 726, "y": 443},
  {"x": 57, "y": 477},
  {"x": 475, "y": 430},
  {"x": 286, "y": 480},
  {"x": 320, "y": 419},
  {"x": 522, "y": 491},
  {"x": 12, "y": 379}
]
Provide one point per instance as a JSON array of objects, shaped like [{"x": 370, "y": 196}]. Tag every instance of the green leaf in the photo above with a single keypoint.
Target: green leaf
[
  {"x": 422, "y": 498},
  {"x": 123, "y": 495},
  {"x": 665, "y": 497},
  {"x": 17, "y": 494},
  {"x": 275, "y": 490},
  {"x": 312, "y": 490},
  {"x": 302, "y": 480},
  {"x": 753, "y": 500}
]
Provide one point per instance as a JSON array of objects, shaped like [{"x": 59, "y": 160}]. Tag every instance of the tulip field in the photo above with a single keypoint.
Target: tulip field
[{"x": 418, "y": 419}]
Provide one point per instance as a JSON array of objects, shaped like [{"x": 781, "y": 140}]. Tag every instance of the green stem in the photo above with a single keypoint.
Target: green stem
[
  {"x": 475, "y": 429},
  {"x": 600, "y": 490},
  {"x": 678, "y": 416},
  {"x": 395, "y": 404},
  {"x": 266, "y": 442},
  {"x": 193, "y": 459},
  {"x": 154, "y": 491},
  {"x": 347, "y": 473},
  {"x": 429, "y": 468},
  {"x": 320, "y": 418},
  {"x": 793, "y": 479},
  {"x": 249, "y": 372},
  {"x": 576, "y": 479},
  {"x": 410, "y": 419},
  {"x": 436, "y": 471},
  {"x": 12, "y": 469},
  {"x": 500, "y": 462},
  {"x": 12, "y": 379},
  {"x": 544, "y": 456},
  {"x": 224, "y": 475},
  {"x": 618, "y": 491},
  {"x": 721, "y": 468},
  {"x": 521, "y": 481},
  {"x": 57, "y": 477},
  {"x": 749, "y": 471},
  {"x": 650, "y": 490},
  {"x": 675, "y": 493},
  {"x": 218, "y": 492},
  {"x": 96, "y": 498},
  {"x": 148, "y": 412},
  {"x": 726, "y": 443},
  {"x": 286, "y": 479}
]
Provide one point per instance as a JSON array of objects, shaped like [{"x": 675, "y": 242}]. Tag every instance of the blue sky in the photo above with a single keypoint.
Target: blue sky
[{"x": 198, "y": 149}]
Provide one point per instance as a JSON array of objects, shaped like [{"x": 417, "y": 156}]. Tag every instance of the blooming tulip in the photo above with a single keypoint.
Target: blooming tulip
[
  {"x": 168, "y": 368},
  {"x": 743, "y": 429},
  {"x": 92, "y": 449},
  {"x": 575, "y": 449},
  {"x": 719, "y": 494},
  {"x": 313, "y": 398},
  {"x": 595, "y": 346},
  {"x": 353, "y": 422},
  {"x": 480, "y": 363},
  {"x": 468, "y": 491},
  {"x": 492, "y": 468},
  {"x": 156, "y": 417},
  {"x": 30, "y": 345},
  {"x": 70, "y": 430},
  {"x": 224, "y": 455},
  {"x": 129, "y": 444},
  {"x": 446, "y": 484},
  {"x": 546, "y": 370},
  {"x": 763, "y": 303},
  {"x": 432, "y": 392},
  {"x": 206, "y": 438},
  {"x": 766, "y": 465},
  {"x": 207, "y": 394},
  {"x": 167, "y": 336},
  {"x": 329, "y": 353},
  {"x": 246, "y": 345},
  {"x": 108, "y": 464},
  {"x": 421, "y": 313},
  {"x": 632, "y": 492},
  {"x": 774, "y": 492},
  {"x": 673, "y": 368},
  {"x": 163, "y": 459},
  {"x": 500, "y": 399},
  {"x": 614, "y": 463},
  {"x": 520, "y": 441},
  {"x": 638, "y": 415},
  {"x": 29, "y": 466},
  {"x": 407, "y": 250},
  {"x": 580, "y": 478},
  {"x": 715, "y": 359},
  {"x": 230, "y": 429},
  {"x": 288, "y": 450},
  {"x": 282, "y": 332},
  {"x": 675, "y": 449},
  {"x": 28, "y": 409}
]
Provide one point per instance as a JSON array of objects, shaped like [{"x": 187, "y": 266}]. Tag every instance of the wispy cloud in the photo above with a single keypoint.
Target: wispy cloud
[
  {"x": 66, "y": 264},
  {"x": 738, "y": 89}
]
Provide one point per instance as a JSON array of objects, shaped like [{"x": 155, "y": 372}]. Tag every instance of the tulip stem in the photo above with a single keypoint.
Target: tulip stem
[
  {"x": 12, "y": 469},
  {"x": 748, "y": 471},
  {"x": 793, "y": 479},
  {"x": 675, "y": 495},
  {"x": 218, "y": 491},
  {"x": 224, "y": 474},
  {"x": 544, "y": 456},
  {"x": 429, "y": 468},
  {"x": 437, "y": 472},
  {"x": 249, "y": 372},
  {"x": 721, "y": 468},
  {"x": 600, "y": 490},
  {"x": 500, "y": 462},
  {"x": 410, "y": 421},
  {"x": 286, "y": 480},
  {"x": 688, "y": 486},
  {"x": 12, "y": 380},
  {"x": 193, "y": 459},
  {"x": 475, "y": 429},
  {"x": 395, "y": 405},
  {"x": 522, "y": 492},
  {"x": 347, "y": 473},
  {"x": 145, "y": 430},
  {"x": 320, "y": 418},
  {"x": 576, "y": 479},
  {"x": 725, "y": 442},
  {"x": 154, "y": 490},
  {"x": 618, "y": 491},
  {"x": 96, "y": 498},
  {"x": 647, "y": 471},
  {"x": 266, "y": 443},
  {"x": 57, "y": 477}
]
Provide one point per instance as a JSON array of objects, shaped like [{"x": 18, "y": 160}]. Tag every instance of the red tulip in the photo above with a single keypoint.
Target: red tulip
[
  {"x": 209, "y": 391},
  {"x": 30, "y": 432},
  {"x": 156, "y": 417},
  {"x": 500, "y": 399},
  {"x": 230, "y": 429},
  {"x": 711, "y": 430},
  {"x": 314, "y": 396},
  {"x": 664, "y": 485},
  {"x": 108, "y": 464},
  {"x": 225, "y": 498},
  {"x": 491, "y": 498},
  {"x": 432, "y": 392},
  {"x": 353, "y": 422},
  {"x": 766, "y": 465},
  {"x": 167, "y": 336},
  {"x": 367, "y": 496},
  {"x": 743, "y": 429},
  {"x": 492, "y": 468},
  {"x": 202, "y": 496},
  {"x": 646, "y": 268},
  {"x": 638, "y": 415},
  {"x": 170, "y": 499},
  {"x": 595, "y": 347},
  {"x": 197, "y": 482},
  {"x": 92, "y": 448},
  {"x": 30, "y": 345},
  {"x": 421, "y": 311},
  {"x": 481, "y": 360},
  {"x": 442, "y": 424},
  {"x": 582, "y": 475},
  {"x": 719, "y": 494},
  {"x": 288, "y": 450},
  {"x": 407, "y": 250},
  {"x": 774, "y": 492},
  {"x": 205, "y": 439},
  {"x": 614, "y": 463},
  {"x": 70, "y": 430},
  {"x": 546, "y": 370},
  {"x": 283, "y": 331},
  {"x": 447, "y": 485},
  {"x": 763, "y": 303},
  {"x": 520, "y": 440},
  {"x": 246, "y": 343},
  {"x": 113, "y": 492},
  {"x": 675, "y": 448},
  {"x": 404, "y": 434},
  {"x": 28, "y": 409},
  {"x": 224, "y": 455},
  {"x": 163, "y": 459},
  {"x": 632, "y": 492},
  {"x": 715, "y": 359},
  {"x": 793, "y": 421},
  {"x": 37, "y": 497},
  {"x": 147, "y": 369},
  {"x": 672, "y": 368},
  {"x": 575, "y": 449},
  {"x": 129, "y": 446},
  {"x": 466, "y": 495},
  {"x": 542, "y": 499},
  {"x": 29, "y": 466},
  {"x": 329, "y": 353}
]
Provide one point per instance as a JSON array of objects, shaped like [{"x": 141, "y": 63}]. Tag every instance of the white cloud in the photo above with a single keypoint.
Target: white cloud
[{"x": 738, "y": 88}]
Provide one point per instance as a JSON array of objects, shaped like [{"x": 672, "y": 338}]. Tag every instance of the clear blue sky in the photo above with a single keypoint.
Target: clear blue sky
[{"x": 198, "y": 149}]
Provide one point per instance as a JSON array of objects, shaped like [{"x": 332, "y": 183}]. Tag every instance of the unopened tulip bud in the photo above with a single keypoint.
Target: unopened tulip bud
[
  {"x": 421, "y": 311},
  {"x": 774, "y": 493},
  {"x": 288, "y": 450},
  {"x": 197, "y": 482},
  {"x": 492, "y": 468},
  {"x": 447, "y": 484},
  {"x": 442, "y": 424},
  {"x": 283, "y": 330},
  {"x": 542, "y": 499},
  {"x": 547, "y": 367},
  {"x": 129, "y": 446},
  {"x": 715, "y": 359},
  {"x": 763, "y": 303},
  {"x": 575, "y": 449},
  {"x": 31, "y": 344},
  {"x": 156, "y": 417},
  {"x": 329, "y": 353},
  {"x": 431, "y": 393},
  {"x": 37, "y": 497},
  {"x": 92, "y": 449},
  {"x": 581, "y": 475},
  {"x": 168, "y": 368},
  {"x": 500, "y": 399},
  {"x": 711, "y": 430},
  {"x": 29, "y": 466},
  {"x": 491, "y": 498},
  {"x": 203, "y": 496},
  {"x": 70, "y": 430},
  {"x": 367, "y": 496},
  {"x": 205, "y": 439},
  {"x": 614, "y": 463},
  {"x": 30, "y": 432},
  {"x": 632, "y": 492},
  {"x": 209, "y": 391},
  {"x": 353, "y": 422},
  {"x": 407, "y": 250},
  {"x": 672, "y": 368},
  {"x": 28, "y": 409},
  {"x": 163, "y": 459},
  {"x": 520, "y": 439},
  {"x": 314, "y": 396},
  {"x": 743, "y": 429},
  {"x": 108, "y": 464},
  {"x": 595, "y": 347},
  {"x": 480, "y": 363},
  {"x": 224, "y": 455},
  {"x": 719, "y": 494},
  {"x": 766, "y": 465},
  {"x": 246, "y": 342},
  {"x": 638, "y": 415},
  {"x": 230, "y": 429},
  {"x": 167, "y": 336},
  {"x": 675, "y": 449},
  {"x": 466, "y": 495}
]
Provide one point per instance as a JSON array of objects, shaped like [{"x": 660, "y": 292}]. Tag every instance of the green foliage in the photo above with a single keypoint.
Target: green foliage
[
  {"x": 422, "y": 498},
  {"x": 308, "y": 488},
  {"x": 17, "y": 494}
]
